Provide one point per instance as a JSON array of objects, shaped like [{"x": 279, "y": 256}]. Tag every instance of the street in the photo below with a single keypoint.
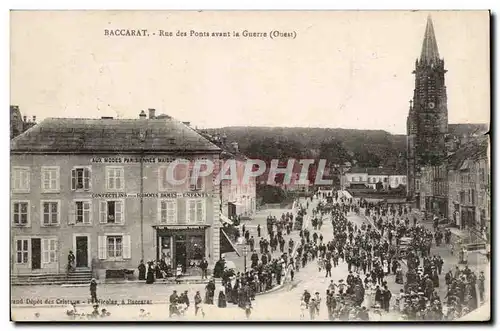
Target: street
[{"x": 282, "y": 304}]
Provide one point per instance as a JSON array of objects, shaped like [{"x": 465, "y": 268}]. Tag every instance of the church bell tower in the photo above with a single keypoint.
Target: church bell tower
[{"x": 427, "y": 122}]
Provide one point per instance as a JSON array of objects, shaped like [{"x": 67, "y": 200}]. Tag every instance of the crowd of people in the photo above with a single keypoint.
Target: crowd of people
[
  {"x": 387, "y": 249},
  {"x": 375, "y": 252}
]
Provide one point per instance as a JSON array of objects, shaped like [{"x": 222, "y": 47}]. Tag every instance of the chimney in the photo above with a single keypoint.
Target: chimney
[
  {"x": 224, "y": 139},
  {"x": 142, "y": 114},
  {"x": 25, "y": 118},
  {"x": 234, "y": 144},
  {"x": 152, "y": 113},
  {"x": 34, "y": 119}
]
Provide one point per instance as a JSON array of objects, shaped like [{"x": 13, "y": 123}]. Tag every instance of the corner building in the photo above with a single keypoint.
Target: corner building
[{"x": 98, "y": 187}]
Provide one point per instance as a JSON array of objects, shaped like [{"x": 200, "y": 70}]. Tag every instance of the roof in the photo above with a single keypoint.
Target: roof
[
  {"x": 82, "y": 135},
  {"x": 473, "y": 150},
  {"x": 377, "y": 171},
  {"x": 430, "y": 52}
]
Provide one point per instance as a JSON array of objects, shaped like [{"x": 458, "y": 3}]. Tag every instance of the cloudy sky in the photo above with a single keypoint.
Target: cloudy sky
[{"x": 343, "y": 69}]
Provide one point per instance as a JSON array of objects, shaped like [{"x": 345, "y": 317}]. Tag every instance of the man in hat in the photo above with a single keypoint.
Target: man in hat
[{"x": 93, "y": 291}]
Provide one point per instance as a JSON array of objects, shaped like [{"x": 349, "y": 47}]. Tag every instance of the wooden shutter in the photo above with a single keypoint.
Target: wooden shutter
[
  {"x": 119, "y": 219},
  {"x": 200, "y": 211},
  {"x": 103, "y": 212},
  {"x": 72, "y": 213},
  {"x": 172, "y": 211},
  {"x": 87, "y": 212},
  {"x": 126, "y": 247},
  {"x": 73, "y": 179},
  {"x": 86, "y": 179},
  {"x": 191, "y": 211},
  {"x": 101, "y": 244},
  {"x": 45, "y": 251}
]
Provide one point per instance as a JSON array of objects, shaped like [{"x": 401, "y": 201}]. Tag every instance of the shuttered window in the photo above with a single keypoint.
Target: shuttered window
[
  {"x": 114, "y": 247},
  {"x": 168, "y": 211}
]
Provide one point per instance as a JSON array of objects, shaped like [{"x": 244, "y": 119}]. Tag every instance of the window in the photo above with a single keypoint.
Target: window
[
  {"x": 194, "y": 175},
  {"x": 360, "y": 179},
  {"x": 114, "y": 246},
  {"x": 49, "y": 250},
  {"x": 403, "y": 180},
  {"x": 417, "y": 185},
  {"x": 50, "y": 179},
  {"x": 20, "y": 179},
  {"x": 20, "y": 213},
  {"x": 51, "y": 212},
  {"x": 473, "y": 197},
  {"x": 462, "y": 197},
  {"x": 80, "y": 178},
  {"x": 115, "y": 178},
  {"x": 82, "y": 212},
  {"x": 168, "y": 211},
  {"x": 111, "y": 212},
  {"x": 22, "y": 251},
  {"x": 195, "y": 211}
]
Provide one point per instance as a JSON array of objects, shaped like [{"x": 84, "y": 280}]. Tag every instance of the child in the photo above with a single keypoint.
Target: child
[
  {"x": 303, "y": 309},
  {"x": 248, "y": 310}
]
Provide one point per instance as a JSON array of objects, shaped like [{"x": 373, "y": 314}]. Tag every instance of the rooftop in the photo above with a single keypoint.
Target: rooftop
[
  {"x": 377, "y": 171},
  {"x": 473, "y": 150},
  {"x": 81, "y": 135}
]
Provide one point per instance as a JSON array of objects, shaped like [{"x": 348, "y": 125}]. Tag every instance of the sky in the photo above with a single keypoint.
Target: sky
[{"x": 342, "y": 70}]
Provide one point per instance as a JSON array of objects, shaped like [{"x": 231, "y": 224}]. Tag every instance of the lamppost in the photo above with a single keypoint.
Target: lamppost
[{"x": 245, "y": 251}]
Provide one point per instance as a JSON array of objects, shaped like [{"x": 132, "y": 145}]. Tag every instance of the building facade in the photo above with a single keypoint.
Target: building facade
[
  {"x": 238, "y": 198},
  {"x": 469, "y": 203},
  {"x": 433, "y": 190},
  {"x": 427, "y": 121},
  {"x": 387, "y": 179},
  {"x": 98, "y": 187}
]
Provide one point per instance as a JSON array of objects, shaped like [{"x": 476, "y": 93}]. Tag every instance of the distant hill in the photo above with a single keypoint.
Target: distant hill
[
  {"x": 389, "y": 149},
  {"x": 379, "y": 142}
]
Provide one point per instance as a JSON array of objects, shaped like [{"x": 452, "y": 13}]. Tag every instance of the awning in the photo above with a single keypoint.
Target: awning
[
  {"x": 226, "y": 246},
  {"x": 225, "y": 219},
  {"x": 236, "y": 203}
]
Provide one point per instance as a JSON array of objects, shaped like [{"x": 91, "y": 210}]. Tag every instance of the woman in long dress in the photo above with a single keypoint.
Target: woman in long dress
[
  {"x": 368, "y": 302},
  {"x": 222, "y": 298},
  {"x": 150, "y": 278}
]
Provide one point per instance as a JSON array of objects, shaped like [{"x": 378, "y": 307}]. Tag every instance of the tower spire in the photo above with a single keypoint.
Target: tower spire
[{"x": 430, "y": 51}]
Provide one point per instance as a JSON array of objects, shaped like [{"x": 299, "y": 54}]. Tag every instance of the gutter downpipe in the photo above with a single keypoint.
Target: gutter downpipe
[{"x": 142, "y": 206}]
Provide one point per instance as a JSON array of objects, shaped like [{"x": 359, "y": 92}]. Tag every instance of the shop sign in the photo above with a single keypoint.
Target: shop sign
[{"x": 181, "y": 227}]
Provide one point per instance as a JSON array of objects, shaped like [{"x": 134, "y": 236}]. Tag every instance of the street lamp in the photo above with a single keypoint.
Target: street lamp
[{"x": 245, "y": 251}]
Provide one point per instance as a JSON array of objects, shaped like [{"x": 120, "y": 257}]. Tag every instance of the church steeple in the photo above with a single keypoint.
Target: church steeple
[{"x": 430, "y": 51}]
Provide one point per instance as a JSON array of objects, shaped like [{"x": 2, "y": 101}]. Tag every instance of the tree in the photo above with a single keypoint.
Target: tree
[
  {"x": 366, "y": 159},
  {"x": 334, "y": 152}
]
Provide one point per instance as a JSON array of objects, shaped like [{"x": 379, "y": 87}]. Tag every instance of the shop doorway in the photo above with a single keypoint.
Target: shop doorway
[
  {"x": 36, "y": 253},
  {"x": 180, "y": 252},
  {"x": 82, "y": 260}
]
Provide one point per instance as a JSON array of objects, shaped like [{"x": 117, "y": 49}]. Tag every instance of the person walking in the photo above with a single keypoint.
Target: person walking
[
  {"x": 328, "y": 268},
  {"x": 93, "y": 291}
]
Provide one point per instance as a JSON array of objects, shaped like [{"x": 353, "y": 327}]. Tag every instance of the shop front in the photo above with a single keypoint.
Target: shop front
[{"x": 183, "y": 246}]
